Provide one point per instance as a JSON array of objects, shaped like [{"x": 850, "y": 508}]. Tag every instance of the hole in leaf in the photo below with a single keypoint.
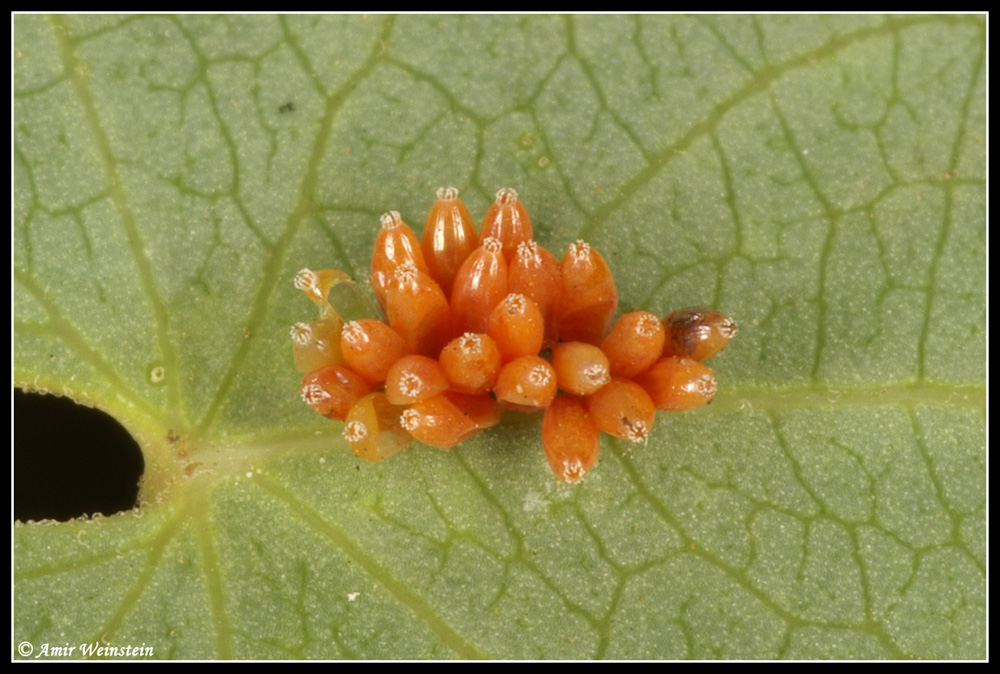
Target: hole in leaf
[{"x": 71, "y": 460}]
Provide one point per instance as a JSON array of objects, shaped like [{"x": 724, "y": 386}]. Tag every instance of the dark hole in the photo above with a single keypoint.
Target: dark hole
[{"x": 70, "y": 460}]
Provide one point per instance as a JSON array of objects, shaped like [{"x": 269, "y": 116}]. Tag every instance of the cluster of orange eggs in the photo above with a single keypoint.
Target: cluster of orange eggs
[{"x": 469, "y": 319}]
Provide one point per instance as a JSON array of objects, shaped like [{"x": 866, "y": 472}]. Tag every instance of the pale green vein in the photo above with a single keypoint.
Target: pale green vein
[
  {"x": 598, "y": 90},
  {"x": 292, "y": 39},
  {"x": 231, "y": 146},
  {"x": 354, "y": 268},
  {"x": 564, "y": 178},
  {"x": 798, "y": 472},
  {"x": 731, "y": 201},
  {"x": 831, "y": 215},
  {"x": 69, "y": 335},
  {"x": 23, "y": 223},
  {"x": 522, "y": 556},
  {"x": 238, "y": 452},
  {"x": 78, "y": 76},
  {"x": 115, "y": 553},
  {"x": 863, "y": 574},
  {"x": 946, "y": 218},
  {"x": 205, "y": 535},
  {"x": 304, "y": 208},
  {"x": 920, "y": 440},
  {"x": 831, "y": 396},
  {"x": 724, "y": 41},
  {"x": 385, "y": 579},
  {"x": 763, "y": 78},
  {"x": 894, "y": 98},
  {"x": 939, "y": 247},
  {"x": 670, "y": 519},
  {"x": 156, "y": 551},
  {"x": 736, "y": 574}
]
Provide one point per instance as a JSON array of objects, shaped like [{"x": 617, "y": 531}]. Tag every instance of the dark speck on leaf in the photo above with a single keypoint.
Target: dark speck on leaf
[{"x": 287, "y": 107}]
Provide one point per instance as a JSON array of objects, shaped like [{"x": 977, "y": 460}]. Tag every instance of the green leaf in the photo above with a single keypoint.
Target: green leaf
[{"x": 822, "y": 179}]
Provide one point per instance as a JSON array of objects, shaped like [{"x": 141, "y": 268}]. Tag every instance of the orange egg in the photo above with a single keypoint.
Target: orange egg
[
  {"x": 517, "y": 327},
  {"x": 316, "y": 286},
  {"x": 449, "y": 418},
  {"x": 507, "y": 220},
  {"x": 623, "y": 409},
  {"x": 678, "y": 383},
  {"x": 534, "y": 273},
  {"x": 372, "y": 428},
  {"x": 471, "y": 363},
  {"x": 526, "y": 384},
  {"x": 316, "y": 344},
  {"x": 418, "y": 311},
  {"x": 581, "y": 368},
  {"x": 370, "y": 347},
  {"x": 634, "y": 343},
  {"x": 697, "y": 332},
  {"x": 571, "y": 439},
  {"x": 482, "y": 410},
  {"x": 480, "y": 284},
  {"x": 449, "y": 237},
  {"x": 332, "y": 390},
  {"x": 589, "y": 296},
  {"x": 413, "y": 379},
  {"x": 395, "y": 245}
]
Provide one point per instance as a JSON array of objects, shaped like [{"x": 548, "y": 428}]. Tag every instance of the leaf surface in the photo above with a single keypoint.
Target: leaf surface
[{"x": 821, "y": 179}]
